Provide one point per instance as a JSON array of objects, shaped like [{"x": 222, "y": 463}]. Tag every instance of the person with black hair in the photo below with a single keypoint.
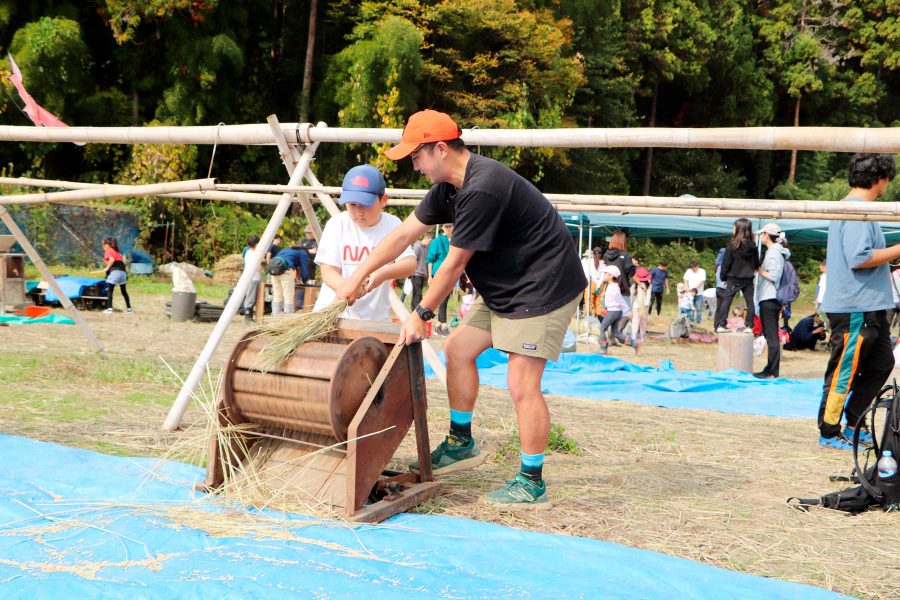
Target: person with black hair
[
  {"x": 516, "y": 250},
  {"x": 856, "y": 302},
  {"x": 769, "y": 275},
  {"x": 250, "y": 295},
  {"x": 659, "y": 283},
  {"x": 739, "y": 267},
  {"x": 807, "y": 333},
  {"x": 115, "y": 273}
]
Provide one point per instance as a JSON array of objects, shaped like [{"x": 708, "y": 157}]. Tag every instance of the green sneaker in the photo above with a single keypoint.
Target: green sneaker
[
  {"x": 450, "y": 456},
  {"x": 520, "y": 493}
]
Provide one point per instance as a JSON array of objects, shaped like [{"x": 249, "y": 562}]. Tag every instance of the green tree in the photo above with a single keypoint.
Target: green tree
[
  {"x": 796, "y": 52},
  {"x": 669, "y": 41},
  {"x": 55, "y": 62}
]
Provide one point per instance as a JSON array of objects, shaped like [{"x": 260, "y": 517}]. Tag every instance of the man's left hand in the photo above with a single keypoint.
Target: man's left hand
[{"x": 413, "y": 330}]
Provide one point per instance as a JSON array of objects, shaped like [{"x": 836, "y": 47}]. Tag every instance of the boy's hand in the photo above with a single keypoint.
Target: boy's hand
[
  {"x": 371, "y": 282},
  {"x": 350, "y": 291}
]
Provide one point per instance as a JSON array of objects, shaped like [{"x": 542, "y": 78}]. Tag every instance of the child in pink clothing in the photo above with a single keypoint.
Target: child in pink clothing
[{"x": 616, "y": 308}]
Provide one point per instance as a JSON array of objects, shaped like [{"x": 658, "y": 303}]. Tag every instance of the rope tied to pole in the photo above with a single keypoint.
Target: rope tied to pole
[{"x": 212, "y": 159}]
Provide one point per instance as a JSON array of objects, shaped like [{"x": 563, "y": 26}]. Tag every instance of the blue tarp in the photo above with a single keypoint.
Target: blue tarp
[
  {"x": 605, "y": 378},
  {"x": 72, "y": 286},
  {"x": 51, "y": 318},
  {"x": 76, "y": 524}
]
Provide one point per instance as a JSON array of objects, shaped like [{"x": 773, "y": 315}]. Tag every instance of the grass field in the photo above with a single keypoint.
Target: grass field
[{"x": 702, "y": 485}]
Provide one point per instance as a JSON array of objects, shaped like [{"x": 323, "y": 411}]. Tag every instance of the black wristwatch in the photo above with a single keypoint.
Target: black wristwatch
[{"x": 425, "y": 314}]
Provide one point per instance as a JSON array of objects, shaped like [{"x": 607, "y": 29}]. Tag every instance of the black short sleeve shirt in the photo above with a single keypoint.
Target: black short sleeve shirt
[{"x": 525, "y": 262}]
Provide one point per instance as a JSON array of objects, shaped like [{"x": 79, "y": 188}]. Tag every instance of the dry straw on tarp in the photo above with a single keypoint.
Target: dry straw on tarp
[{"x": 292, "y": 331}]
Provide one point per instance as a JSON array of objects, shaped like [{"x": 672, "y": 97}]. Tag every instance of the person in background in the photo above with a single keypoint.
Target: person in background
[
  {"x": 418, "y": 279},
  {"x": 856, "y": 302},
  {"x": 739, "y": 265},
  {"x": 695, "y": 279},
  {"x": 115, "y": 273},
  {"x": 686, "y": 304},
  {"x": 351, "y": 236},
  {"x": 274, "y": 248},
  {"x": 640, "y": 300},
  {"x": 593, "y": 265},
  {"x": 820, "y": 287},
  {"x": 250, "y": 296},
  {"x": 786, "y": 311},
  {"x": 807, "y": 332},
  {"x": 616, "y": 307},
  {"x": 766, "y": 292},
  {"x": 309, "y": 242},
  {"x": 659, "y": 284},
  {"x": 617, "y": 255},
  {"x": 894, "y": 316},
  {"x": 437, "y": 253},
  {"x": 285, "y": 268}
]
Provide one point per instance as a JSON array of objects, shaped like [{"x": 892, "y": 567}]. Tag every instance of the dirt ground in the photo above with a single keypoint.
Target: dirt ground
[{"x": 701, "y": 485}]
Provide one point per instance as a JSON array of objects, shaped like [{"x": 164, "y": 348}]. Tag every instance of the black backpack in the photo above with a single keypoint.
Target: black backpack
[{"x": 872, "y": 489}]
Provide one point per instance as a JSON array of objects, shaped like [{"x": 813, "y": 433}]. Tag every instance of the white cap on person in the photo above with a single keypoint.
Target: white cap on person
[
  {"x": 612, "y": 270},
  {"x": 772, "y": 229}
]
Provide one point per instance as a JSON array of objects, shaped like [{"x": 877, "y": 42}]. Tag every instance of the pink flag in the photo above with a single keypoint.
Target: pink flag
[{"x": 39, "y": 115}]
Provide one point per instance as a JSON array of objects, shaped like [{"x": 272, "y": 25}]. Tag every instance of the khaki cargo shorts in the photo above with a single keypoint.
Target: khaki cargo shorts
[{"x": 540, "y": 336}]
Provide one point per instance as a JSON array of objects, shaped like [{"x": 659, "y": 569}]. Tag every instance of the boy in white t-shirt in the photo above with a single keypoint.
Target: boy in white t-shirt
[{"x": 349, "y": 237}]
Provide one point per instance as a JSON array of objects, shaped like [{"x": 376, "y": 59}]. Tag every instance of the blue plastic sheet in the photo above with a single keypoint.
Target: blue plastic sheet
[
  {"x": 51, "y": 318},
  {"x": 605, "y": 378},
  {"x": 76, "y": 524},
  {"x": 72, "y": 286}
]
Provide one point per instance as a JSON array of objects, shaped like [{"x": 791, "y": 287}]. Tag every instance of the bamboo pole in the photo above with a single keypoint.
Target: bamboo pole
[
  {"x": 248, "y": 197},
  {"x": 109, "y": 192},
  {"x": 637, "y": 205},
  {"x": 832, "y": 139},
  {"x": 49, "y": 278},
  {"x": 173, "y": 419},
  {"x": 401, "y": 197}
]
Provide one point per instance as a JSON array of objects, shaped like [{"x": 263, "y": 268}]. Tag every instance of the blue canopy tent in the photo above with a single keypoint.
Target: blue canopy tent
[{"x": 799, "y": 231}]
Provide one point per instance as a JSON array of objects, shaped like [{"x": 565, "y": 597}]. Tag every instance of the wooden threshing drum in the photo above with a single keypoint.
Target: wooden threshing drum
[{"x": 316, "y": 391}]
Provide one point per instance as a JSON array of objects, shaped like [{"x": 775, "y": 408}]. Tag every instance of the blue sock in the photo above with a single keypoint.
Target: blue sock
[
  {"x": 461, "y": 425},
  {"x": 533, "y": 466}
]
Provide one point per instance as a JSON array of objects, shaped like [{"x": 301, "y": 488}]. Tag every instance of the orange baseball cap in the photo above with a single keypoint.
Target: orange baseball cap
[{"x": 424, "y": 127}]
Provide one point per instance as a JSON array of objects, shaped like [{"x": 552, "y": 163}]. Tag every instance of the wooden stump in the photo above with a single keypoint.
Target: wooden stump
[{"x": 735, "y": 351}]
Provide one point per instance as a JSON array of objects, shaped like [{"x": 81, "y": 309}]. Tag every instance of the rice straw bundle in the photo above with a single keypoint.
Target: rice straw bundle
[{"x": 290, "y": 332}]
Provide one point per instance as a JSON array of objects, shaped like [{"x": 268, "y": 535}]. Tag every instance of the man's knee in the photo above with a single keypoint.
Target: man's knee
[
  {"x": 524, "y": 378},
  {"x": 464, "y": 345}
]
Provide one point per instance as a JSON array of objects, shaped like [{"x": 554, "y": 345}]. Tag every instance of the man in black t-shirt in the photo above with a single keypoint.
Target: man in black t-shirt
[{"x": 517, "y": 252}]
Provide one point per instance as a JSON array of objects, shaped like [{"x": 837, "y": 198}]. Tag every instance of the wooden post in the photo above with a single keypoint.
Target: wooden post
[
  {"x": 735, "y": 351},
  {"x": 48, "y": 276},
  {"x": 173, "y": 419},
  {"x": 288, "y": 157}
]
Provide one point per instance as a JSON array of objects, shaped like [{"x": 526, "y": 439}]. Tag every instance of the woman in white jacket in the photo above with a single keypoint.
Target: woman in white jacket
[{"x": 767, "y": 279}]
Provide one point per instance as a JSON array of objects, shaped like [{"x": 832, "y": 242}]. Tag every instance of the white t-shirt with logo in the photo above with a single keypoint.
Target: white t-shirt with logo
[
  {"x": 694, "y": 280},
  {"x": 346, "y": 246}
]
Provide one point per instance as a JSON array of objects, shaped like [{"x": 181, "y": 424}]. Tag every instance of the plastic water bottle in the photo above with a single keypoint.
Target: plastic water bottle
[{"x": 887, "y": 465}]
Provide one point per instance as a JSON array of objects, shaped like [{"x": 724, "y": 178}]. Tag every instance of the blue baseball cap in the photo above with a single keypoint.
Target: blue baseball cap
[{"x": 362, "y": 184}]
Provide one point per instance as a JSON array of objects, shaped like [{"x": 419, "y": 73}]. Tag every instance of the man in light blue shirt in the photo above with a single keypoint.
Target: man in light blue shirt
[{"x": 856, "y": 302}]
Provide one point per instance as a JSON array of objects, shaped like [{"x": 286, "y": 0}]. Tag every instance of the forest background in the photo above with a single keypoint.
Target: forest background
[{"x": 489, "y": 63}]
